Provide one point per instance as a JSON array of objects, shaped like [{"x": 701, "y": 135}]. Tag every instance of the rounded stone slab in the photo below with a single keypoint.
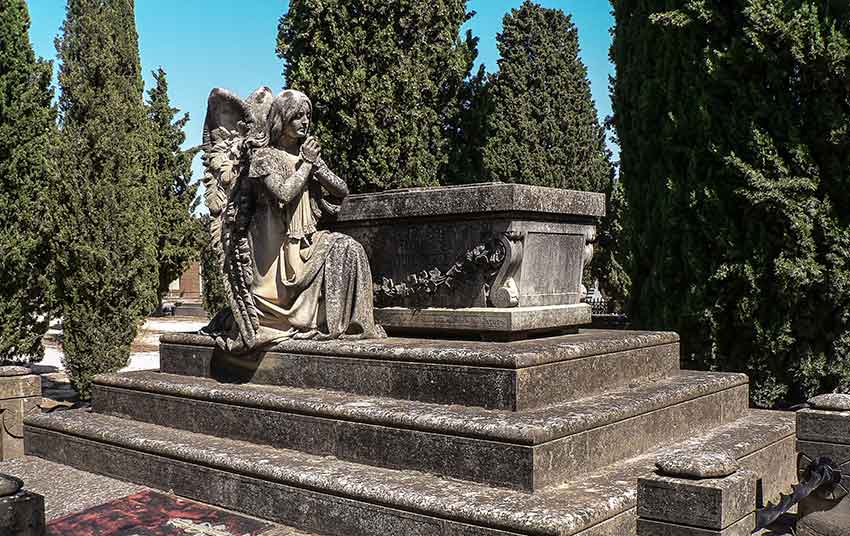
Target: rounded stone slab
[
  {"x": 10, "y": 485},
  {"x": 697, "y": 464},
  {"x": 6, "y": 372},
  {"x": 831, "y": 402}
]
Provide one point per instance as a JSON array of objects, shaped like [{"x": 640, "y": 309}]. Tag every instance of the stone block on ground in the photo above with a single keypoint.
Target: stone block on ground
[
  {"x": 706, "y": 503},
  {"x": 824, "y": 433},
  {"x": 20, "y": 394},
  {"x": 649, "y": 527},
  {"x": 22, "y": 514}
]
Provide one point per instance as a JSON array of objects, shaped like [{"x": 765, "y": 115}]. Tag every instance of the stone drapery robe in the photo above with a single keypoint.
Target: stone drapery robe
[{"x": 306, "y": 279}]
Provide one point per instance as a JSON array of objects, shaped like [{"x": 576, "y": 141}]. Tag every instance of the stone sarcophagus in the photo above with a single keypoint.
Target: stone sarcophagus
[{"x": 495, "y": 260}]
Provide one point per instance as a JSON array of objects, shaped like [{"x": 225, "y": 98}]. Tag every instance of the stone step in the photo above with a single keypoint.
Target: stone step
[
  {"x": 516, "y": 376},
  {"x": 332, "y": 497},
  {"x": 524, "y": 450}
]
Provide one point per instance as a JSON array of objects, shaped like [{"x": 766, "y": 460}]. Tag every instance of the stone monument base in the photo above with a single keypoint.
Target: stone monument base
[
  {"x": 397, "y": 437},
  {"x": 486, "y": 323}
]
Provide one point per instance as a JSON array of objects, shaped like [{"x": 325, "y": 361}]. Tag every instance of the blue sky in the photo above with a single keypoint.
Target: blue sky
[{"x": 207, "y": 43}]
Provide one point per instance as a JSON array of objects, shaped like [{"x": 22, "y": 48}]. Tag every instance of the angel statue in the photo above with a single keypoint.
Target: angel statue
[{"x": 268, "y": 191}]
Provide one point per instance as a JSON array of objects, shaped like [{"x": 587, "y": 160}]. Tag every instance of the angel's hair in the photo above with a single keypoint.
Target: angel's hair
[{"x": 284, "y": 107}]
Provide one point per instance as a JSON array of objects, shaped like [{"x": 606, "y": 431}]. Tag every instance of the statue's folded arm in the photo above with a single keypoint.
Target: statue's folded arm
[
  {"x": 286, "y": 189},
  {"x": 335, "y": 186}
]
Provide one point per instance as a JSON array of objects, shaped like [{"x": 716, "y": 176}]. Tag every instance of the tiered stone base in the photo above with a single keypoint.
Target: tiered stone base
[{"x": 406, "y": 444}]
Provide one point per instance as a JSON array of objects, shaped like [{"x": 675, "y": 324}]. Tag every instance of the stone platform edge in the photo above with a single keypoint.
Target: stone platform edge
[
  {"x": 484, "y": 198},
  {"x": 363, "y": 490},
  {"x": 484, "y": 321},
  {"x": 507, "y": 355}
]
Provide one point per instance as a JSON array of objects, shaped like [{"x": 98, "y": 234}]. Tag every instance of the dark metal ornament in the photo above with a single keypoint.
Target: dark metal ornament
[{"x": 823, "y": 473}]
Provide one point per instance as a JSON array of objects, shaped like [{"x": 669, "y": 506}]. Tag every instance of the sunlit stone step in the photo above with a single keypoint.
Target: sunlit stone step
[
  {"x": 524, "y": 450},
  {"x": 517, "y": 376}
]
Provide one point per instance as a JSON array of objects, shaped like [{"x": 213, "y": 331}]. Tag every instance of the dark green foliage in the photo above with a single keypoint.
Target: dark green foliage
[
  {"x": 611, "y": 256},
  {"x": 106, "y": 264},
  {"x": 733, "y": 119},
  {"x": 386, "y": 80},
  {"x": 543, "y": 128},
  {"x": 27, "y": 132},
  {"x": 469, "y": 136},
  {"x": 213, "y": 294},
  {"x": 181, "y": 235}
]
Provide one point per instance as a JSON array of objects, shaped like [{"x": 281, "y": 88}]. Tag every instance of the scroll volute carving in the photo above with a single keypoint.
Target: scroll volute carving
[
  {"x": 505, "y": 290},
  {"x": 589, "y": 241}
]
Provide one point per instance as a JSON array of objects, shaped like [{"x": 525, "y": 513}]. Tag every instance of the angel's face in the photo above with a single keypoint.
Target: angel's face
[{"x": 298, "y": 126}]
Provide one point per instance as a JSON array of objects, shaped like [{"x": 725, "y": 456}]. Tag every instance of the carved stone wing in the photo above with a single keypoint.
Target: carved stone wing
[{"x": 231, "y": 128}]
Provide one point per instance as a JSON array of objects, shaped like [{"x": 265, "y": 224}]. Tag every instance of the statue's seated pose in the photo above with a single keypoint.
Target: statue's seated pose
[{"x": 267, "y": 191}]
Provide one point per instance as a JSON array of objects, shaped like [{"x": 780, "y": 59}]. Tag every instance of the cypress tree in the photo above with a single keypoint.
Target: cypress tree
[
  {"x": 386, "y": 80},
  {"x": 213, "y": 294},
  {"x": 27, "y": 132},
  {"x": 107, "y": 271},
  {"x": 733, "y": 123},
  {"x": 180, "y": 234},
  {"x": 544, "y": 128}
]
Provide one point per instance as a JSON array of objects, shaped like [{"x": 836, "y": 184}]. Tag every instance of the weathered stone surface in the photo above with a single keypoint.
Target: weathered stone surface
[
  {"x": 523, "y": 450},
  {"x": 19, "y": 396},
  {"x": 14, "y": 371},
  {"x": 486, "y": 322},
  {"x": 487, "y": 198},
  {"x": 831, "y": 402},
  {"x": 312, "y": 493},
  {"x": 579, "y": 378},
  {"x": 486, "y": 386},
  {"x": 777, "y": 465},
  {"x": 647, "y": 527},
  {"x": 824, "y": 425},
  {"x": 543, "y": 235},
  {"x": 187, "y": 359},
  {"x": 271, "y": 229},
  {"x": 22, "y": 514},
  {"x": 707, "y": 503},
  {"x": 19, "y": 386},
  {"x": 832, "y": 522},
  {"x": 517, "y": 354},
  {"x": 531, "y": 427},
  {"x": 66, "y": 490},
  {"x": 697, "y": 464},
  {"x": 514, "y": 376}
]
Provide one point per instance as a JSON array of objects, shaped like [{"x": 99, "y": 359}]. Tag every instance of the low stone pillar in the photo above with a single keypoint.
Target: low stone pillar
[
  {"x": 20, "y": 395},
  {"x": 697, "y": 494},
  {"x": 21, "y": 511},
  {"x": 823, "y": 431}
]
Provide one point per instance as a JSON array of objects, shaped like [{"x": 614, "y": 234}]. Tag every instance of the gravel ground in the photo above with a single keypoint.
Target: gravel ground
[{"x": 66, "y": 490}]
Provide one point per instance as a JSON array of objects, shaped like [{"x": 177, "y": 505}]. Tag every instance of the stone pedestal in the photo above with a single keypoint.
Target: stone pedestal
[
  {"x": 671, "y": 506},
  {"x": 542, "y": 437},
  {"x": 20, "y": 394},
  {"x": 514, "y": 256},
  {"x": 824, "y": 431},
  {"x": 22, "y": 514}
]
